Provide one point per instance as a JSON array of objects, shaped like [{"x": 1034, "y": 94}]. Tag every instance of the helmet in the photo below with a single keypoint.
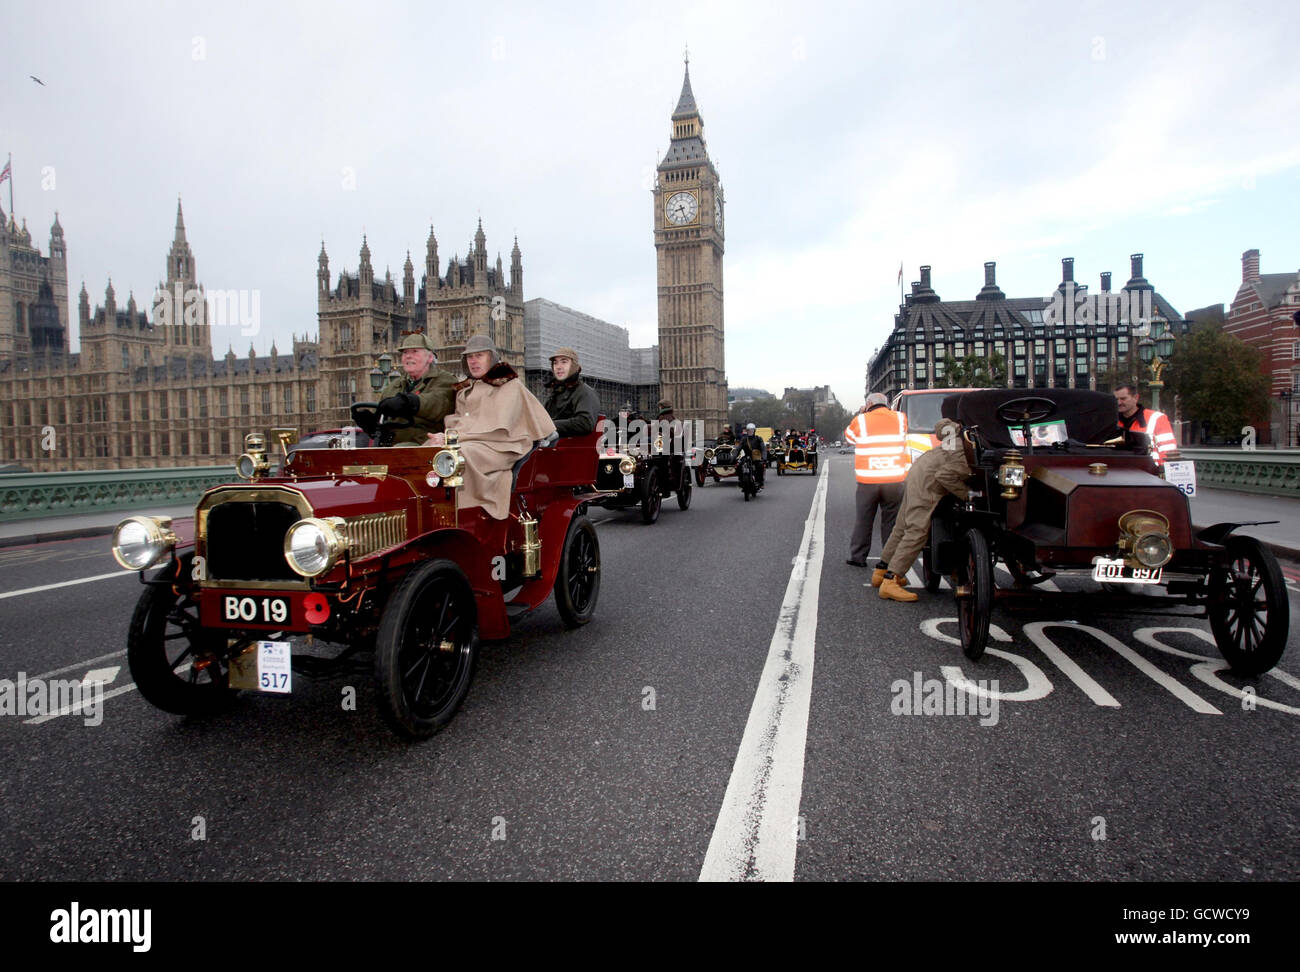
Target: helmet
[{"x": 750, "y": 427}]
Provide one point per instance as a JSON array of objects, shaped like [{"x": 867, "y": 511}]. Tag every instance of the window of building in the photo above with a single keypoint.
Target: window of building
[
  {"x": 288, "y": 399},
  {"x": 310, "y": 404},
  {"x": 146, "y": 447},
  {"x": 243, "y": 399},
  {"x": 920, "y": 371},
  {"x": 1080, "y": 345},
  {"x": 185, "y": 444},
  {"x": 920, "y": 352},
  {"x": 959, "y": 351},
  {"x": 1020, "y": 368},
  {"x": 126, "y": 443},
  {"x": 1080, "y": 366},
  {"x": 126, "y": 359},
  {"x": 938, "y": 369},
  {"x": 1295, "y": 351},
  {"x": 144, "y": 407},
  {"x": 162, "y": 405},
  {"x": 202, "y": 395},
  {"x": 1121, "y": 345},
  {"x": 183, "y": 404},
  {"x": 1295, "y": 382},
  {"x": 98, "y": 410},
  {"x": 457, "y": 328},
  {"x": 43, "y": 414},
  {"x": 266, "y": 400},
  {"x": 223, "y": 404},
  {"x": 146, "y": 355},
  {"x": 225, "y": 442},
  {"x": 979, "y": 349},
  {"x": 345, "y": 335},
  {"x": 204, "y": 442},
  {"x": 1059, "y": 347},
  {"x": 101, "y": 446},
  {"x": 1034, "y": 316},
  {"x": 1040, "y": 348},
  {"x": 164, "y": 443}
]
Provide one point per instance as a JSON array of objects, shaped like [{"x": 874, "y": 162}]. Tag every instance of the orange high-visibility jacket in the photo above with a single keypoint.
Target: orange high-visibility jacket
[
  {"x": 1160, "y": 434},
  {"x": 879, "y": 439}
]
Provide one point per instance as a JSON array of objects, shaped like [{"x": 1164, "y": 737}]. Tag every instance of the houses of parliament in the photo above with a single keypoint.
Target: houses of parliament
[{"x": 145, "y": 391}]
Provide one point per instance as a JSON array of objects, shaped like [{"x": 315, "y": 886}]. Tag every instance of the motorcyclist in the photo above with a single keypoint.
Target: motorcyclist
[{"x": 748, "y": 443}]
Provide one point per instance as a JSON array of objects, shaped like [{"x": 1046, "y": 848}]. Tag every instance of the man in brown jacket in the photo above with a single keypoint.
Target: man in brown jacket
[{"x": 942, "y": 470}]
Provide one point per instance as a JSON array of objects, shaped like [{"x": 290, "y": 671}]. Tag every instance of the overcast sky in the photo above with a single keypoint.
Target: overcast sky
[{"x": 849, "y": 138}]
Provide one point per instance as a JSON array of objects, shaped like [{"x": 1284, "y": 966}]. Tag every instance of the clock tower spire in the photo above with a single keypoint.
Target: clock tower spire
[{"x": 688, "y": 204}]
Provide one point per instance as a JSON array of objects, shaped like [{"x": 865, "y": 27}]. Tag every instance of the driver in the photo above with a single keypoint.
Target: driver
[
  {"x": 934, "y": 475},
  {"x": 497, "y": 420},
  {"x": 750, "y": 442},
  {"x": 420, "y": 392}
]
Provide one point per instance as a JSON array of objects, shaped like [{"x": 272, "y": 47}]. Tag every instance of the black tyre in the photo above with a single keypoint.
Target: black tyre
[
  {"x": 426, "y": 649},
  {"x": 577, "y": 581},
  {"x": 175, "y": 664},
  {"x": 932, "y": 578},
  {"x": 684, "y": 490},
  {"x": 650, "y": 498},
  {"x": 975, "y": 572},
  {"x": 699, "y": 475},
  {"x": 1248, "y": 607}
]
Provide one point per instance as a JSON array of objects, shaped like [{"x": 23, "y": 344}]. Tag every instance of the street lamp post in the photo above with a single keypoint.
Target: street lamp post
[
  {"x": 1155, "y": 353},
  {"x": 1285, "y": 394},
  {"x": 380, "y": 372}
]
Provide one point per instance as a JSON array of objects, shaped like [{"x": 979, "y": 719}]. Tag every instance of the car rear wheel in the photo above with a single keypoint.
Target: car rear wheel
[
  {"x": 577, "y": 582},
  {"x": 650, "y": 498},
  {"x": 975, "y": 603},
  {"x": 684, "y": 490},
  {"x": 1248, "y": 608},
  {"x": 426, "y": 649},
  {"x": 176, "y": 665}
]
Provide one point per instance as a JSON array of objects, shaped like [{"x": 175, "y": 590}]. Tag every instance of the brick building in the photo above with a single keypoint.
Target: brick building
[{"x": 1265, "y": 313}]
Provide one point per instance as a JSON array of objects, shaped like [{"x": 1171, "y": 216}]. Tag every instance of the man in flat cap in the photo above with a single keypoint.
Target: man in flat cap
[
  {"x": 420, "y": 391},
  {"x": 571, "y": 403},
  {"x": 497, "y": 420}
]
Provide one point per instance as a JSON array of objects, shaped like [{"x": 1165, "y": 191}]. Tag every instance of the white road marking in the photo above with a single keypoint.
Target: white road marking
[
  {"x": 81, "y": 664},
  {"x": 756, "y": 835},
  {"x": 79, "y": 580}
]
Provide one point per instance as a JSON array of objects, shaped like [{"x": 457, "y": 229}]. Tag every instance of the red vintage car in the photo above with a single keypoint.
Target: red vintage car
[{"x": 364, "y": 548}]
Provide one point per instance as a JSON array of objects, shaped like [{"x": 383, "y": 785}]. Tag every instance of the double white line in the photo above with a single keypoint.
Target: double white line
[{"x": 758, "y": 828}]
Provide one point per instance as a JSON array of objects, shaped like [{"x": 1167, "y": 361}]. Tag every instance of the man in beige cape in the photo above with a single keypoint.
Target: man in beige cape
[{"x": 497, "y": 421}]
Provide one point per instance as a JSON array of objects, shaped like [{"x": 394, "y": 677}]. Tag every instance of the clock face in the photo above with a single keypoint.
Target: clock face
[
  {"x": 681, "y": 208},
  {"x": 717, "y": 212}
]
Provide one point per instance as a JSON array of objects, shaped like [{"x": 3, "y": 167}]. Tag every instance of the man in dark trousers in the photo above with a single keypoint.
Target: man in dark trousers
[
  {"x": 571, "y": 403},
  {"x": 880, "y": 463},
  {"x": 749, "y": 443}
]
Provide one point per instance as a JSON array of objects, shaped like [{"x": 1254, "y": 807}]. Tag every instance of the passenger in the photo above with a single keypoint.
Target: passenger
[
  {"x": 571, "y": 403},
  {"x": 933, "y": 476},
  {"x": 497, "y": 420},
  {"x": 419, "y": 391}
]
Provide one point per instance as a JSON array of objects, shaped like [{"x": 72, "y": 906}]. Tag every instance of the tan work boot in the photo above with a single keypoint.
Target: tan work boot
[
  {"x": 878, "y": 576},
  {"x": 891, "y": 590}
]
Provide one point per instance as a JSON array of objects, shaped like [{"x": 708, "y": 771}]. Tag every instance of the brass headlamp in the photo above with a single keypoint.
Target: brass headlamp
[
  {"x": 1011, "y": 475},
  {"x": 253, "y": 464},
  {"x": 449, "y": 463},
  {"x": 1144, "y": 538}
]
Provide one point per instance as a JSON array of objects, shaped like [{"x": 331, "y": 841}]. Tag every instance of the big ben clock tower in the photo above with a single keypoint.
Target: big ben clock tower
[{"x": 688, "y": 206}]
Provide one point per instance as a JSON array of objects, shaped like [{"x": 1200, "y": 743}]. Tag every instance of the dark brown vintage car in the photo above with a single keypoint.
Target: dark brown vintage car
[
  {"x": 640, "y": 473},
  {"x": 364, "y": 548},
  {"x": 1059, "y": 488}
]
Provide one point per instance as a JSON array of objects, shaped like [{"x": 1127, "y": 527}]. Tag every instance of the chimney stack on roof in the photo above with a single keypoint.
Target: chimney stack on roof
[
  {"x": 1105, "y": 282},
  {"x": 991, "y": 291},
  {"x": 1250, "y": 266}
]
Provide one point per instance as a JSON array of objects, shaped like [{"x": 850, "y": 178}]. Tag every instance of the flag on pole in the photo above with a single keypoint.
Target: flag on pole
[
  {"x": 4, "y": 173},
  {"x": 900, "y": 271}
]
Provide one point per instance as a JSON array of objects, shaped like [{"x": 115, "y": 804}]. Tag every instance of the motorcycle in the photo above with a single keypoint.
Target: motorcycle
[{"x": 747, "y": 477}]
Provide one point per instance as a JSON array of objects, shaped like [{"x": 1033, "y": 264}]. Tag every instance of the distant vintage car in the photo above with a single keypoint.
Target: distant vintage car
[
  {"x": 800, "y": 455},
  {"x": 720, "y": 462},
  {"x": 643, "y": 476},
  {"x": 1059, "y": 488},
  {"x": 364, "y": 548}
]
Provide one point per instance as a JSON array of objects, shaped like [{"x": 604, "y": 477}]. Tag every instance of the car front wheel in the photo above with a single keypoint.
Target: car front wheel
[
  {"x": 650, "y": 498},
  {"x": 1248, "y": 607},
  {"x": 577, "y": 582},
  {"x": 426, "y": 649}
]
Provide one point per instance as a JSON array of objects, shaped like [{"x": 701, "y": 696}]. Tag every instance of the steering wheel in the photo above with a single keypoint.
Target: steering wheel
[
  {"x": 365, "y": 415},
  {"x": 1022, "y": 411}
]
